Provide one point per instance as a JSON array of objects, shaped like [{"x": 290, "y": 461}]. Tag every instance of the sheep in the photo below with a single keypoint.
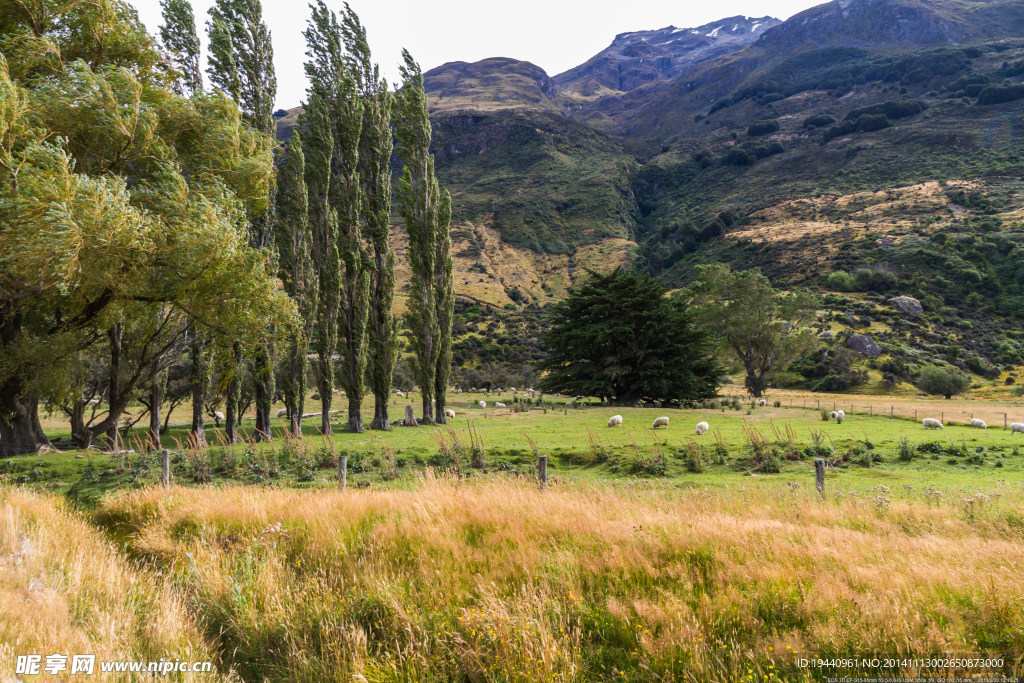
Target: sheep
[
  {"x": 614, "y": 420},
  {"x": 217, "y": 415},
  {"x": 660, "y": 422},
  {"x": 834, "y": 415},
  {"x": 449, "y": 414},
  {"x": 702, "y": 428},
  {"x": 979, "y": 424},
  {"x": 499, "y": 404},
  {"x": 482, "y": 404},
  {"x": 762, "y": 403},
  {"x": 400, "y": 394},
  {"x": 1016, "y": 427},
  {"x": 283, "y": 412},
  {"x": 931, "y": 423},
  {"x": 841, "y": 414}
]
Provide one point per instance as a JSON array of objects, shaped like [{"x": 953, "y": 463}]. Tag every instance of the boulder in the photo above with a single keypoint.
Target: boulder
[
  {"x": 907, "y": 304},
  {"x": 825, "y": 336},
  {"x": 865, "y": 345}
]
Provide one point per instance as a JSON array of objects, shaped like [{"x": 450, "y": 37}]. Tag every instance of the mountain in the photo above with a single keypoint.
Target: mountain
[
  {"x": 636, "y": 59},
  {"x": 862, "y": 148}
]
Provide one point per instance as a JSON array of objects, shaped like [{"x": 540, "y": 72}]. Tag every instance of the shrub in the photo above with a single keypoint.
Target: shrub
[
  {"x": 763, "y": 127},
  {"x": 737, "y": 156},
  {"x": 905, "y": 450},
  {"x": 998, "y": 94},
  {"x": 942, "y": 381},
  {"x": 841, "y": 281},
  {"x": 818, "y": 120}
]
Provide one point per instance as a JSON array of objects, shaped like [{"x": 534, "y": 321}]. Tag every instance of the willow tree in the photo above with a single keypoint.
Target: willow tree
[
  {"x": 426, "y": 211},
  {"x": 181, "y": 42},
  {"x": 295, "y": 249},
  {"x": 242, "y": 65},
  {"x": 375, "y": 148},
  {"x": 114, "y": 192},
  {"x": 335, "y": 115}
]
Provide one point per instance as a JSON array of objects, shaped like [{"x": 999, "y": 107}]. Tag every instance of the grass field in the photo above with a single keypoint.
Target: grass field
[{"x": 647, "y": 556}]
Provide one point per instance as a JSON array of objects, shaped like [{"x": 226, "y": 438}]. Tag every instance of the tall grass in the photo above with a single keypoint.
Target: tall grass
[
  {"x": 64, "y": 589},
  {"x": 494, "y": 579}
]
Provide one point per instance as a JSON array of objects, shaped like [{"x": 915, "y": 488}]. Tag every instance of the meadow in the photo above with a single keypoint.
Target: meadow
[{"x": 647, "y": 555}]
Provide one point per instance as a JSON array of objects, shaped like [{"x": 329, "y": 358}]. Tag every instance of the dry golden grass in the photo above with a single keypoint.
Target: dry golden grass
[
  {"x": 64, "y": 589},
  {"x": 497, "y": 580}
]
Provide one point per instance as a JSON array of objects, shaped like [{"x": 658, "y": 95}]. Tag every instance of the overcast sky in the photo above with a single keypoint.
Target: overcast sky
[{"x": 553, "y": 34}]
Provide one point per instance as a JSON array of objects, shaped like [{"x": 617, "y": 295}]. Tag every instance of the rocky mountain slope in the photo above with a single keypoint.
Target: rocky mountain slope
[{"x": 873, "y": 138}]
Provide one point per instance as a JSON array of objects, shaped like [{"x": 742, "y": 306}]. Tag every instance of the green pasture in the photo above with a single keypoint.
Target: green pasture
[{"x": 863, "y": 451}]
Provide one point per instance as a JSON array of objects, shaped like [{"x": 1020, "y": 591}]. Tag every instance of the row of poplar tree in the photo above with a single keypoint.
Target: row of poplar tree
[
  {"x": 329, "y": 222},
  {"x": 147, "y": 222}
]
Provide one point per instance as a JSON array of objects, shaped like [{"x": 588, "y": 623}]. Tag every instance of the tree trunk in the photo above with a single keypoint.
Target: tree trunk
[
  {"x": 155, "y": 397},
  {"x": 439, "y": 415},
  {"x": 231, "y": 416},
  {"x": 410, "y": 419},
  {"x": 264, "y": 383},
  {"x": 355, "y": 415},
  {"x": 381, "y": 419},
  {"x": 428, "y": 410},
  {"x": 17, "y": 424},
  {"x": 116, "y": 335},
  {"x": 198, "y": 391}
]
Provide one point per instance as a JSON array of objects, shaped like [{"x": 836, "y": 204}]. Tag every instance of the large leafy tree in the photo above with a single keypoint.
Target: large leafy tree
[
  {"x": 426, "y": 211},
  {"x": 620, "y": 338},
  {"x": 942, "y": 381},
  {"x": 118, "y": 199},
  {"x": 762, "y": 327}
]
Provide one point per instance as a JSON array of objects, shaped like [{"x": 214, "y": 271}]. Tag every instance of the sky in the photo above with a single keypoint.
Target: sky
[{"x": 556, "y": 35}]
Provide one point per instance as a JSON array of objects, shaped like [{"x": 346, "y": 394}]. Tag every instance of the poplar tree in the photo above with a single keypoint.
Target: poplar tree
[
  {"x": 242, "y": 65},
  {"x": 375, "y": 148},
  {"x": 296, "y": 269},
  {"x": 181, "y": 42},
  {"x": 323, "y": 223},
  {"x": 426, "y": 211},
  {"x": 333, "y": 84}
]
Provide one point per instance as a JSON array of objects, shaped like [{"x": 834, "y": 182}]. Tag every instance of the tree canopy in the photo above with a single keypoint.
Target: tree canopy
[
  {"x": 764, "y": 328},
  {"x": 942, "y": 381},
  {"x": 620, "y": 338}
]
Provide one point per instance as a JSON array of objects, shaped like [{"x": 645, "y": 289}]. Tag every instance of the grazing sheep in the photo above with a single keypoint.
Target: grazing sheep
[
  {"x": 931, "y": 423},
  {"x": 217, "y": 415},
  {"x": 1016, "y": 427},
  {"x": 499, "y": 404},
  {"x": 979, "y": 424},
  {"x": 834, "y": 415},
  {"x": 283, "y": 412},
  {"x": 660, "y": 422},
  {"x": 400, "y": 394},
  {"x": 449, "y": 414},
  {"x": 482, "y": 404},
  {"x": 614, "y": 420},
  {"x": 841, "y": 414},
  {"x": 762, "y": 403},
  {"x": 702, "y": 428}
]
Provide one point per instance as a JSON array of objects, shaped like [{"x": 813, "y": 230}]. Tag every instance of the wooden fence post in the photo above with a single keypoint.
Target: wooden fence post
[
  {"x": 542, "y": 469},
  {"x": 819, "y": 475},
  {"x": 1004, "y": 421},
  {"x": 165, "y": 468},
  {"x": 891, "y": 408},
  {"x": 343, "y": 472}
]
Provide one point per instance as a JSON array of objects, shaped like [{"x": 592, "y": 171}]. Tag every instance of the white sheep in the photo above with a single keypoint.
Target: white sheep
[
  {"x": 762, "y": 403},
  {"x": 283, "y": 412},
  {"x": 931, "y": 423},
  {"x": 614, "y": 420},
  {"x": 499, "y": 404},
  {"x": 400, "y": 394},
  {"x": 482, "y": 404},
  {"x": 449, "y": 414},
  {"x": 979, "y": 424},
  {"x": 702, "y": 428},
  {"x": 834, "y": 415},
  {"x": 660, "y": 422},
  {"x": 1017, "y": 427},
  {"x": 217, "y": 415},
  {"x": 841, "y": 414}
]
